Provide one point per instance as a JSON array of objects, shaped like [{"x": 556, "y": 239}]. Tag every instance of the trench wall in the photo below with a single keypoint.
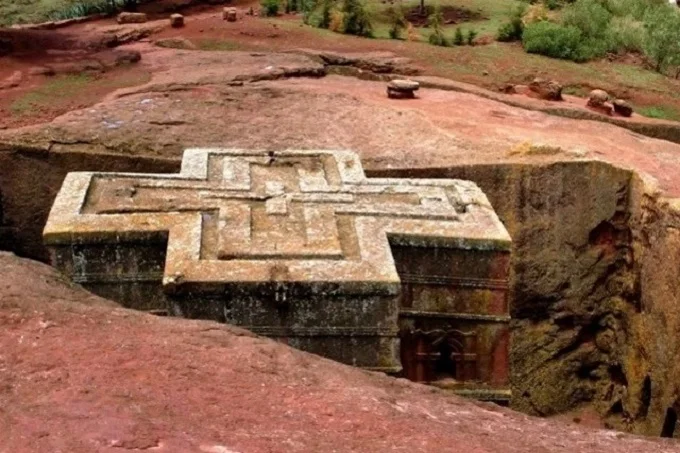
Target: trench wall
[{"x": 30, "y": 180}]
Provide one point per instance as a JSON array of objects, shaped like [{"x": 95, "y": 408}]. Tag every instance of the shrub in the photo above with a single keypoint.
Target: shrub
[
  {"x": 458, "y": 38},
  {"x": 534, "y": 13},
  {"x": 337, "y": 22},
  {"x": 512, "y": 30},
  {"x": 398, "y": 22},
  {"x": 589, "y": 16},
  {"x": 634, "y": 9},
  {"x": 357, "y": 21},
  {"x": 553, "y": 40},
  {"x": 307, "y": 8},
  {"x": 412, "y": 33},
  {"x": 553, "y": 4},
  {"x": 270, "y": 7},
  {"x": 470, "y": 38},
  {"x": 292, "y": 6},
  {"x": 435, "y": 21},
  {"x": 627, "y": 34},
  {"x": 594, "y": 38},
  {"x": 325, "y": 19},
  {"x": 662, "y": 37}
]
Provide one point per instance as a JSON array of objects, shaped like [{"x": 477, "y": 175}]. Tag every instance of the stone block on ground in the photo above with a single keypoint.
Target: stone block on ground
[
  {"x": 176, "y": 43},
  {"x": 623, "y": 108},
  {"x": 402, "y": 88},
  {"x": 229, "y": 14},
  {"x": 548, "y": 90},
  {"x": 131, "y": 18},
  {"x": 597, "y": 98},
  {"x": 177, "y": 21},
  {"x": 125, "y": 56}
]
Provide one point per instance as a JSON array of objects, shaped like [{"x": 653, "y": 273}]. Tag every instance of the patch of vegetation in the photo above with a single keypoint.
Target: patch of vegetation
[
  {"x": 553, "y": 40},
  {"x": 293, "y": 6},
  {"x": 458, "y": 39},
  {"x": 356, "y": 19},
  {"x": 218, "y": 45},
  {"x": 437, "y": 37},
  {"x": 582, "y": 35},
  {"x": 398, "y": 23},
  {"x": 470, "y": 37},
  {"x": 67, "y": 86},
  {"x": 270, "y": 8},
  {"x": 660, "y": 112},
  {"x": 60, "y": 90},
  {"x": 662, "y": 39},
  {"x": 35, "y": 11},
  {"x": 351, "y": 18},
  {"x": 590, "y": 29},
  {"x": 512, "y": 29}
]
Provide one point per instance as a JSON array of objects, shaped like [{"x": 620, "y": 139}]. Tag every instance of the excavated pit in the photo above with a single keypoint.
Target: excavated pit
[{"x": 594, "y": 275}]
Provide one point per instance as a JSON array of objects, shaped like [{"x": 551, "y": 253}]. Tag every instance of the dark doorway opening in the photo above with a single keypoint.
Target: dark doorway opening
[
  {"x": 445, "y": 366},
  {"x": 669, "y": 423}
]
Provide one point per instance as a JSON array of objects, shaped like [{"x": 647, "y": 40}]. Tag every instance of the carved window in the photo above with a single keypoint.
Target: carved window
[{"x": 439, "y": 355}]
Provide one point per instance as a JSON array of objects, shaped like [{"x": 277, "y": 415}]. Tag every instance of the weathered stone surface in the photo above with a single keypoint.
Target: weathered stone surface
[
  {"x": 597, "y": 98},
  {"x": 176, "y": 43},
  {"x": 229, "y": 14},
  {"x": 85, "y": 351},
  {"x": 622, "y": 107},
  {"x": 12, "y": 81},
  {"x": 131, "y": 18},
  {"x": 403, "y": 85},
  {"x": 42, "y": 71},
  {"x": 402, "y": 88},
  {"x": 308, "y": 250},
  {"x": 176, "y": 21},
  {"x": 549, "y": 90},
  {"x": 126, "y": 56}
]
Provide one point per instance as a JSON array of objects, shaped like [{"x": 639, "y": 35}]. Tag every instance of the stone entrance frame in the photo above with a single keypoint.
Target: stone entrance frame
[{"x": 300, "y": 246}]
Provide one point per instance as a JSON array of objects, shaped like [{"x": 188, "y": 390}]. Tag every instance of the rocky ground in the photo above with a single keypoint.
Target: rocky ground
[
  {"x": 80, "y": 375},
  {"x": 264, "y": 100}
]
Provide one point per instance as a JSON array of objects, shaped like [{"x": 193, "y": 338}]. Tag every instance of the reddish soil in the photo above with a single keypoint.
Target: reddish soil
[
  {"x": 99, "y": 85},
  {"x": 80, "y": 376}
]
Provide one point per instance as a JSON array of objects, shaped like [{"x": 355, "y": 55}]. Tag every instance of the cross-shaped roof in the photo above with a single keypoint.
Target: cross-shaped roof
[{"x": 238, "y": 216}]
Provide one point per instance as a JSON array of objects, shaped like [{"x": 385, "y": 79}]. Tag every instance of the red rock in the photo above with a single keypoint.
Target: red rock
[{"x": 110, "y": 378}]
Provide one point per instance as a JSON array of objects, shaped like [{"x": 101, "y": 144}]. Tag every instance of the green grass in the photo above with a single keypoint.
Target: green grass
[
  {"x": 218, "y": 45},
  {"x": 494, "y": 13},
  {"x": 660, "y": 112},
  {"x": 64, "y": 88},
  {"x": 35, "y": 11}
]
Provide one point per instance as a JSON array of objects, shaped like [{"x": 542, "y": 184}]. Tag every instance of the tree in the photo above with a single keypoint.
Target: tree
[
  {"x": 435, "y": 21},
  {"x": 398, "y": 22},
  {"x": 662, "y": 37},
  {"x": 356, "y": 18}
]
